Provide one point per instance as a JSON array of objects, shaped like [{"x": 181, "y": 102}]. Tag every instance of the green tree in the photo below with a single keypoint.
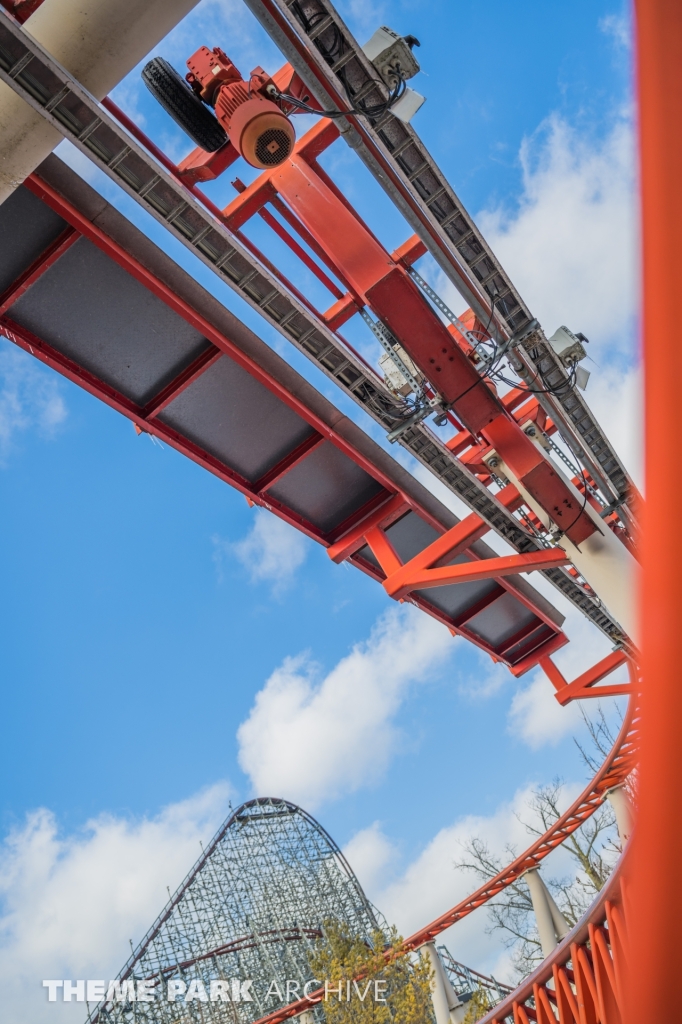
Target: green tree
[
  {"x": 404, "y": 981},
  {"x": 477, "y": 1006}
]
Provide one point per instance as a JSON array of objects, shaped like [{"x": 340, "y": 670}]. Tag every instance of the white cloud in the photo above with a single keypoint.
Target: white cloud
[
  {"x": 431, "y": 884},
  {"x": 615, "y": 396},
  {"x": 29, "y": 397},
  {"x": 485, "y": 681},
  {"x": 535, "y": 716},
  {"x": 312, "y": 739},
  {"x": 371, "y": 854},
  {"x": 571, "y": 244},
  {"x": 619, "y": 28},
  {"x": 363, "y": 17},
  {"x": 71, "y": 904},
  {"x": 271, "y": 552}
]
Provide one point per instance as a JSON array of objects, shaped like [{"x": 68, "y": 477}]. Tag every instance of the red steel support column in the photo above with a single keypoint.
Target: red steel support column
[{"x": 656, "y": 886}]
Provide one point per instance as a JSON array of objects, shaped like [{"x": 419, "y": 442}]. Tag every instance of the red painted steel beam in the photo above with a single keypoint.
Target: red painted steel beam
[
  {"x": 301, "y": 231},
  {"x": 485, "y": 569},
  {"x": 455, "y": 541},
  {"x": 384, "y": 500},
  {"x": 294, "y": 458},
  {"x": 383, "y": 550},
  {"x": 299, "y": 251},
  {"x": 517, "y": 638},
  {"x": 203, "y": 361},
  {"x": 157, "y": 287},
  {"x": 338, "y": 314},
  {"x": 46, "y": 259},
  {"x": 147, "y": 418},
  {"x": 544, "y": 650},
  {"x": 530, "y": 658},
  {"x": 656, "y": 890},
  {"x": 152, "y": 148},
  {"x": 89, "y": 382},
  {"x": 338, "y": 100},
  {"x": 354, "y": 539},
  {"x": 120, "y": 256},
  {"x": 481, "y": 605},
  {"x": 21, "y": 9},
  {"x": 584, "y": 686},
  {"x": 375, "y": 279},
  {"x": 360, "y": 514}
]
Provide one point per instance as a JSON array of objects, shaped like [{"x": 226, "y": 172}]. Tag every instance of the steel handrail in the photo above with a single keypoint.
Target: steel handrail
[{"x": 559, "y": 957}]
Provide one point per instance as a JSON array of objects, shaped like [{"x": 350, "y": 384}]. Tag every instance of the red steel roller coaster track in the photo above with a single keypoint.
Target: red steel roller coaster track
[
  {"x": 584, "y": 980},
  {"x": 594, "y": 987},
  {"x": 600, "y": 985},
  {"x": 614, "y": 771}
]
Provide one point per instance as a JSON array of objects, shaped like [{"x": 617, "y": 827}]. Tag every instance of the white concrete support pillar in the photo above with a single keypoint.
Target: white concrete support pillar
[
  {"x": 307, "y": 1017},
  {"x": 552, "y": 925},
  {"x": 603, "y": 560},
  {"x": 618, "y": 798},
  {"x": 99, "y": 42},
  {"x": 446, "y": 1003}
]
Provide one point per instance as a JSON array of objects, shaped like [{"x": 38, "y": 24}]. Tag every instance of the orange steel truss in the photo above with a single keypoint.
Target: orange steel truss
[{"x": 376, "y": 279}]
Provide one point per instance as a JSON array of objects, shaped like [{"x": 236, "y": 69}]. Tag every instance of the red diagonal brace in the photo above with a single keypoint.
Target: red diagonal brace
[
  {"x": 46, "y": 260},
  {"x": 482, "y": 569},
  {"x": 383, "y": 550},
  {"x": 455, "y": 540},
  {"x": 354, "y": 539},
  {"x": 584, "y": 686}
]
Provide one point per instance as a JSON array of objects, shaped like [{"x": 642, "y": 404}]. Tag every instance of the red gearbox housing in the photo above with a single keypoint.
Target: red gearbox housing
[{"x": 257, "y": 127}]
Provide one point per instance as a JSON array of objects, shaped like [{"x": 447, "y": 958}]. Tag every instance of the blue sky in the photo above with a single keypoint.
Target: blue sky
[{"x": 147, "y": 613}]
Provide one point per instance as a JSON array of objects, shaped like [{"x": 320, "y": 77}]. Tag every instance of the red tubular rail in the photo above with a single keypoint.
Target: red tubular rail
[
  {"x": 615, "y": 769},
  {"x": 657, "y": 850},
  {"x": 592, "y": 987}
]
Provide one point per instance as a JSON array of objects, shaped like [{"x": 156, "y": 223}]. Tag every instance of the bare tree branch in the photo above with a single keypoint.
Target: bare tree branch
[{"x": 594, "y": 846}]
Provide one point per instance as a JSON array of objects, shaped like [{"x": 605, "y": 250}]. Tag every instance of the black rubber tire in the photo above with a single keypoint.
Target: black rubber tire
[{"x": 183, "y": 105}]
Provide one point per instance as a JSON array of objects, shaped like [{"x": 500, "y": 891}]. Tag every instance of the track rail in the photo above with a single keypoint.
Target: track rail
[
  {"x": 447, "y": 229},
  {"x": 616, "y": 767},
  {"x": 231, "y": 345},
  {"x": 334, "y": 66},
  {"x": 43, "y": 83},
  {"x": 592, "y": 988}
]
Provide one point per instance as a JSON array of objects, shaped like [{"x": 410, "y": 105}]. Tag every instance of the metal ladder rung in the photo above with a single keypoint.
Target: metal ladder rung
[
  {"x": 321, "y": 27},
  {"x": 399, "y": 150},
  {"x": 420, "y": 170},
  {"x": 342, "y": 61},
  {"x": 436, "y": 195}
]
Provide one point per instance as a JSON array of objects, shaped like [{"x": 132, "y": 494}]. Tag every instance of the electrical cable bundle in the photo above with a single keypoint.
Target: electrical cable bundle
[{"x": 331, "y": 55}]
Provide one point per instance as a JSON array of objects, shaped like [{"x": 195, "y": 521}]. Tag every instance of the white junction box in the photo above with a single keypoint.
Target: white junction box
[
  {"x": 394, "y": 378},
  {"x": 407, "y": 106},
  {"x": 387, "y": 50},
  {"x": 568, "y": 346}
]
